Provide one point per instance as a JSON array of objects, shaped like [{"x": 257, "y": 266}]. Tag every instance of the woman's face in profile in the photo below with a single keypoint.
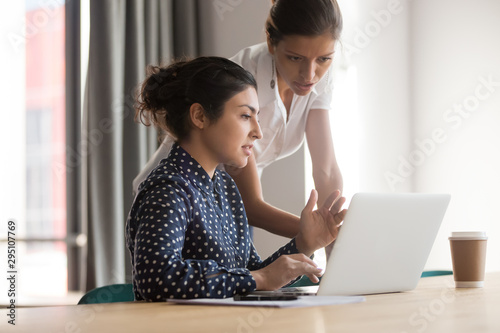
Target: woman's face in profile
[
  {"x": 301, "y": 61},
  {"x": 230, "y": 139}
]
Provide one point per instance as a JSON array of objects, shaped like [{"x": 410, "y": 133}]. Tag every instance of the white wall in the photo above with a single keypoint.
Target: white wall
[
  {"x": 417, "y": 60},
  {"x": 375, "y": 40},
  {"x": 455, "y": 50},
  {"x": 231, "y": 25}
]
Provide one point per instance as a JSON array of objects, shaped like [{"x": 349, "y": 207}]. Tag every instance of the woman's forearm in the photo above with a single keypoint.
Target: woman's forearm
[
  {"x": 327, "y": 182},
  {"x": 263, "y": 215},
  {"x": 326, "y": 172}
]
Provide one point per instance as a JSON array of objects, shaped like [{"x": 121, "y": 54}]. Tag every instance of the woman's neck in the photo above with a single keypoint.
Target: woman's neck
[
  {"x": 286, "y": 94},
  {"x": 200, "y": 154}
]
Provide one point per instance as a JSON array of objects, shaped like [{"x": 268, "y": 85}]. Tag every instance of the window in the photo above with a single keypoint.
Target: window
[{"x": 35, "y": 142}]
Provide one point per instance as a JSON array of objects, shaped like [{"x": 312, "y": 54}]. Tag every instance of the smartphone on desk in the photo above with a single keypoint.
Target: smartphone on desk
[{"x": 265, "y": 298}]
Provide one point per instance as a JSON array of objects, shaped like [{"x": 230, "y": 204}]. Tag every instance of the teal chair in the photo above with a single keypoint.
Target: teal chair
[
  {"x": 123, "y": 292},
  {"x": 304, "y": 281},
  {"x": 435, "y": 273}
]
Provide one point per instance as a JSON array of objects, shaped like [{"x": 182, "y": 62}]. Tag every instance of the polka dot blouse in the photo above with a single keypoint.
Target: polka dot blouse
[{"x": 188, "y": 234}]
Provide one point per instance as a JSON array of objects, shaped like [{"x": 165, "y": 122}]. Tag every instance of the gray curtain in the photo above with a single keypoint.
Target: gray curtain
[{"x": 125, "y": 36}]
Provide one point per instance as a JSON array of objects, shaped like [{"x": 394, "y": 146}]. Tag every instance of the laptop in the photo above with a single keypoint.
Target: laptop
[{"x": 382, "y": 245}]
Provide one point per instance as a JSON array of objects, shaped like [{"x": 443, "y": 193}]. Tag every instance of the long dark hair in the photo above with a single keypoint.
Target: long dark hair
[
  {"x": 304, "y": 18},
  {"x": 168, "y": 92}
]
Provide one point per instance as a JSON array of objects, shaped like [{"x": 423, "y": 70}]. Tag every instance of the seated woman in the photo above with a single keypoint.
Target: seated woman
[{"x": 187, "y": 231}]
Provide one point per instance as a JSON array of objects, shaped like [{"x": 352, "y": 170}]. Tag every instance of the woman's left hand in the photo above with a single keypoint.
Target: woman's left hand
[{"x": 320, "y": 227}]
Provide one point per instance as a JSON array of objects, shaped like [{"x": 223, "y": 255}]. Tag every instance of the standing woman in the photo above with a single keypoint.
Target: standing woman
[{"x": 293, "y": 73}]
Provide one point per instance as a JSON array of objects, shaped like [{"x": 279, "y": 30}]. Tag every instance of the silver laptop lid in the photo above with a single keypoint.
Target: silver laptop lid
[{"x": 384, "y": 243}]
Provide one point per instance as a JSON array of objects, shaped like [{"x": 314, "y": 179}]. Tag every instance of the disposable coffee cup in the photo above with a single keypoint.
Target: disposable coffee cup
[{"x": 468, "y": 255}]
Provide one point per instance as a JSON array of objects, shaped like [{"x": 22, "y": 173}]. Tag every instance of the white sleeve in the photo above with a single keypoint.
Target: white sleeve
[
  {"x": 160, "y": 153},
  {"x": 245, "y": 58}
]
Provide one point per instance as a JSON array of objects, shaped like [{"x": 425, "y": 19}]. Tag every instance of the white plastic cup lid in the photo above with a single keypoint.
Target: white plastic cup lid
[{"x": 481, "y": 235}]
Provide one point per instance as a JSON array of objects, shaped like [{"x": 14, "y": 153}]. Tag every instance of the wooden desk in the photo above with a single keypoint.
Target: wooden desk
[{"x": 434, "y": 306}]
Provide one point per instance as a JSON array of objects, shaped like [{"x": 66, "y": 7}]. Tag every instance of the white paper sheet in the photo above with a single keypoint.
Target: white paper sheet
[{"x": 302, "y": 301}]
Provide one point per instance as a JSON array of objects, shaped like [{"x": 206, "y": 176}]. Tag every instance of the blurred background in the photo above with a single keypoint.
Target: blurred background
[{"x": 416, "y": 108}]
